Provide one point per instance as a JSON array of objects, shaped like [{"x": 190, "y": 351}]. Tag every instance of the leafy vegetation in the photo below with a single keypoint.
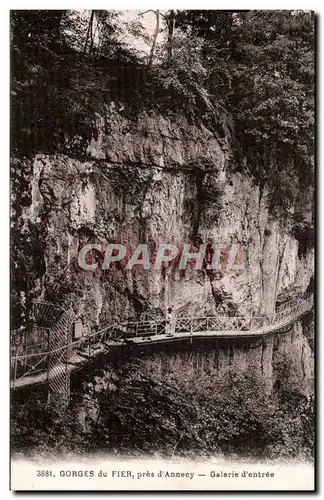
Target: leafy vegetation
[
  {"x": 256, "y": 65},
  {"x": 138, "y": 412}
]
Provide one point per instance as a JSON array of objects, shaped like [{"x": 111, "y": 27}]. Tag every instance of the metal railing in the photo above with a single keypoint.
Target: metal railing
[{"x": 59, "y": 352}]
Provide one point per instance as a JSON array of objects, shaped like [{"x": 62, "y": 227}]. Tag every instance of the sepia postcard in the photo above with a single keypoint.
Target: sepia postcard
[{"x": 162, "y": 250}]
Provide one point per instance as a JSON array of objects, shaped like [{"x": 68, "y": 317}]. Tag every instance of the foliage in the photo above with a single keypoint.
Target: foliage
[
  {"x": 295, "y": 416},
  {"x": 38, "y": 424},
  {"x": 150, "y": 420},
  {"x": 274, "y": 92},
  {"x": 138, "y": 412},
  {"x": 304, "y": 234},
  {"x": 257, "y": 65},
  {"x": 260, "y": 64}
]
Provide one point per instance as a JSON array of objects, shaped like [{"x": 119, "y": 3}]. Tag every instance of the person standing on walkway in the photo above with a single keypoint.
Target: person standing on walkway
[{"x": 169, "y": 326}]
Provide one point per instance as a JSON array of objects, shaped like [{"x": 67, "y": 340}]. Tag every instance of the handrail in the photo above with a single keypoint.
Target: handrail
[
  {"x": 231, "y": 319},
  {"x": 52, "y": 362}
]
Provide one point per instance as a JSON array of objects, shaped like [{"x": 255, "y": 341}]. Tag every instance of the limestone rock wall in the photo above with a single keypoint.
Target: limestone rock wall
[{"x": 156, "y": 180}]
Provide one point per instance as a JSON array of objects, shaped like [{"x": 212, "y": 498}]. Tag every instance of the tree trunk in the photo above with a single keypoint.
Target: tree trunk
[
  {"x": 89, "y": 32},
  {"x": 157, "y": 27},
  {"x": 170, "y": 24}
]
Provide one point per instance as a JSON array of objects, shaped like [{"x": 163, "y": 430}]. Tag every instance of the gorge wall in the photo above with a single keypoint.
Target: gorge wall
[{"x": 155, "y": 180}]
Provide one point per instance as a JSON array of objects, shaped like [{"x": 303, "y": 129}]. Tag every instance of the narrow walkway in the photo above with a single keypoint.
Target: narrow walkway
[{"x": 32, "y": 367}]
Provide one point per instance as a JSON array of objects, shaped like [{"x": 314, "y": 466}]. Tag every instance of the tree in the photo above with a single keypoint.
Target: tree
[
  {"x": 156, "y": 32},
  {"x": 260, "y": 66},
  {"x": 35, "y": 27},
  {"x": 90, "y": 32},
  {"x": 170, "y": 22}
]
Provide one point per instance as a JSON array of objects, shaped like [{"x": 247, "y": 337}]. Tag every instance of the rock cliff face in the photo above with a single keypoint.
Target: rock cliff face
[{"x": 152, "y": 180}]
